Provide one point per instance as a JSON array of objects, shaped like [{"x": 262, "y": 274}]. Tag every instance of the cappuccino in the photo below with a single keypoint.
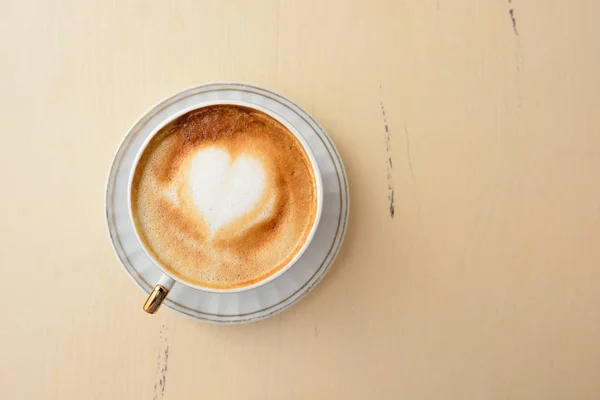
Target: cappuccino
[{"x": 224, "y": 197}]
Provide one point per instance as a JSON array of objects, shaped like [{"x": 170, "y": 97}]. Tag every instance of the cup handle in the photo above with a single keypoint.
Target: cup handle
[{"x": 158, "y": 294}]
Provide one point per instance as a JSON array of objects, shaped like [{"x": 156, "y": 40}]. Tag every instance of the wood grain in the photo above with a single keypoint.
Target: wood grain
[{"x": 484, "y": 284}]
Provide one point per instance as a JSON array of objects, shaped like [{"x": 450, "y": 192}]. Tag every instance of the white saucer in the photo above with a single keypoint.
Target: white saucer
[{"x": 266, "y": 300}]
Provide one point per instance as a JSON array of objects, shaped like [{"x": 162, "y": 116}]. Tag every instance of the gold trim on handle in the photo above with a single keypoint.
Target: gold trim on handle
[{"x": 158, "y": 294}]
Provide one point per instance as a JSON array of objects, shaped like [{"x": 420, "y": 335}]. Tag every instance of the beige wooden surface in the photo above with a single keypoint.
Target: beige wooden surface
[{"x": 484, "y": 285}]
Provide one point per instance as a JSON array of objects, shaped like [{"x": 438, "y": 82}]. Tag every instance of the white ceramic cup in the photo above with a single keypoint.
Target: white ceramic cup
[{"x": 166, "y": 282}]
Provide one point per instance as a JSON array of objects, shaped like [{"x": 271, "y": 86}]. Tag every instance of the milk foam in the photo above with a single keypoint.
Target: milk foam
[
  {"x": 223, "y": 197},
  {"x": 223, "y": 189}
]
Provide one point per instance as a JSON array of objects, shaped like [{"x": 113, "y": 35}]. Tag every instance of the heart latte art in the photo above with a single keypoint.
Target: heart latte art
[
  {"x": 224, "y": 197},
  {"x": 224, "y": 191}
]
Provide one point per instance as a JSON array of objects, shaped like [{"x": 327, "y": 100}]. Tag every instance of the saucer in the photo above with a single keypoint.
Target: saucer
[{"x": 263, "y": 301}]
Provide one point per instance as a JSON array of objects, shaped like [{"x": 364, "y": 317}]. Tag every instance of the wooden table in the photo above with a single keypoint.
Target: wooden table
[{"x": 480, "y": 281}]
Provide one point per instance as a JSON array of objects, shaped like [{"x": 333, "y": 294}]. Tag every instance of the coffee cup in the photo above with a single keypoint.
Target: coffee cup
[{"x": 245, "y": 201}]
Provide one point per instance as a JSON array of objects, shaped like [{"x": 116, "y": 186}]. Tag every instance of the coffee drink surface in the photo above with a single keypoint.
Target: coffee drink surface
[{"x": 224, "y": 197}]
